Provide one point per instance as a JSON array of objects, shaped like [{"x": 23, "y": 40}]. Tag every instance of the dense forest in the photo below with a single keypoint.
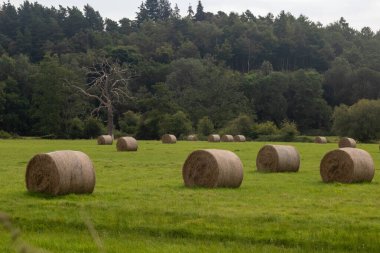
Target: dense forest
[{"x": 201, "y": 72}]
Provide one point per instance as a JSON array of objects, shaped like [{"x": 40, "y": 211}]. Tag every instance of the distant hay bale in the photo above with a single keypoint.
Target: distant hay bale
[
  {"x": 227, "y": 138},
  {"x": 347, "y": 143},
  {"x": 192, "y": 137},
  {"x": 320, "y": 140},
  {"x": 126, "y": 144},
  {"x": 105, "y": 140},
  {"x": 169, "y": 139},
  {"x": 214, "y": 138},
  {"x": 239, "y": 138},
  {"x": 212, "y": 168},
  {"x": 278, "y": 158},
  {"x": 347, "y": 165},
  {"x": 60, "y": 172}
]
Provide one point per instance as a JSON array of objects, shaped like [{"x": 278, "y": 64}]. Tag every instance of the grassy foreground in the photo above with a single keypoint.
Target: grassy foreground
[{"x": 140, "y": 204}]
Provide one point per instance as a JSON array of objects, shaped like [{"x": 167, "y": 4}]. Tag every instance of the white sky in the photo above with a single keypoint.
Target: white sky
[{"x": 358, "y": 13}]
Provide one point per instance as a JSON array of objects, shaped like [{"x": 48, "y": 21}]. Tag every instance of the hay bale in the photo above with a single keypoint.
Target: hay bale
[
  {"x": 320, "y": 140},
  {"x": 347, "y": 165},
  {"x": 60, "y": 172},
  {"x": 192, "y": 137},
  {"x": 126, "y": 144},
  {"x": 214, "y": 138},
  {"x": 105, "y": 140},
  {"x": 212, "y": 168},
  {"x": 169, "y": 139},
  {"x": 278, "y": 158},
  {"x": 239, "y": 138},
  {"x": 347, "y": 143},
  {"x": 227, "y": 138}
]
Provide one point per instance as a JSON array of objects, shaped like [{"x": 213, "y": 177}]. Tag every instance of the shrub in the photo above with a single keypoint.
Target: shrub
[
  {"x": 243, "y": 124},
  {"x": 5, "y": 135},
  {"x": 266, "y": 128},
  {"x": 129, "y": 122},
  {"x": 205, "y": 126},
  {"x": 289, "y": 130},
  {"x": 92, "y": 128},
  {"x": 177, "y": 124},
  {"x": 76, "y": 128}
]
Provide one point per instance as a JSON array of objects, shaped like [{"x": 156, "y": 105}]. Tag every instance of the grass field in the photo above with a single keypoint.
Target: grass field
[{"x": 140, "y": 204}]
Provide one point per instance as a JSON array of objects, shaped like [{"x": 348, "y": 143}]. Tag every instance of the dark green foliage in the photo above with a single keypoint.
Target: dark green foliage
[
  {"x": 360, "y": 121},
  {"x": 76, "y": 128},
  {"x": 128, "y": 122},
  {"x": 288, "y": 130},
  {"x": 92, "y": 128},
  {"x": 177, "y": 124},
  {"x": 243, "y": 124},
  {"x": 217, "y": 65},
  {"x": 205, "y": 126}
]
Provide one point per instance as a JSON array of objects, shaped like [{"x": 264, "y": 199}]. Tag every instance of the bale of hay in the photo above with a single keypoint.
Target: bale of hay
[
  {"x": 60, "y": 172},
  {"x": 320, "y": 140},
  {"x": 212, "y": 168},
  {"x": 347, "y": 165},
  {"x": 227, "y": 138},
  {"x": 192, "y": 137},
  {"x": 169, "y": 139},
  {"x": 214, "y": 138},
  {"x": 347, "y": 143},
  {"x": 278, "y": 158},
  {"x": 105, "y": 140},
  {"x": 239, "y": 138},
  {"x": 126, "y": 144}
]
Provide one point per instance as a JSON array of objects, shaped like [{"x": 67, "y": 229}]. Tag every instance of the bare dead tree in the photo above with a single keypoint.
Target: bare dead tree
[{"x": 107, "y": 82}]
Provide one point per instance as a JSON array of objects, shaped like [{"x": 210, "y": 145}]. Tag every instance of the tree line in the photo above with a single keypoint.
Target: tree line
[{"x": 186, "y": 73}]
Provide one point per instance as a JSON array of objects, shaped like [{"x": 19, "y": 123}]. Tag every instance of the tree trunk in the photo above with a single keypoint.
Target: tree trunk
[{"x": 110, "y": 120}]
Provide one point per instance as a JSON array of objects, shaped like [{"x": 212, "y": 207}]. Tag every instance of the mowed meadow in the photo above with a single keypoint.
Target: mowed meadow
[{"x": 140, "y": 204}]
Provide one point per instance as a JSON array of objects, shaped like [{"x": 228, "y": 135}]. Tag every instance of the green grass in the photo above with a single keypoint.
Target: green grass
[{"x": 140, "y": 204}]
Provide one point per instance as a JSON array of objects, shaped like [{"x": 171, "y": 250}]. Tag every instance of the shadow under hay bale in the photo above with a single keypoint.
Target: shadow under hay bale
[
  {"x": 60, "y": 172},
  {"x": 320, "y": 140},
  {"x": 239, "y": 138},
  {"x": 212, "y": 168},
  {"x": 347, "y": 143},
  {"x": 227, "y": 138},
  {"x": 192, "y": 137},
  {"x": 278, "y": 158},
  {"x": 213, "y": 138},
  {"x": 169, "y": 139},
  {"x": 126, "y": 144},
  {"x": 105, "y": 140},
  {"x": 347, "y": 165}
]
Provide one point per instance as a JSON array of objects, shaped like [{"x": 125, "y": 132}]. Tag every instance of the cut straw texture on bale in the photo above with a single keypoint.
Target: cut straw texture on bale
[
  {"x": 320, "y": 140},
  {"x": 239, "y": 138},
  {"x": 347, "y": 143},
  {"x": 168, "y": 139},
  {"x": 227, "y": 138},
  {"x": 192, "y": 137},
  {"x": 105, "y": 140},
  {"x": 126, "y": 144},
  {"x": 214, "y": 138},
  {"x": 60, "y": 172},
  {"x": 278, "y": 158},
  {"x": 347, "y": 165},
  {"x": 212, "y": 168}
]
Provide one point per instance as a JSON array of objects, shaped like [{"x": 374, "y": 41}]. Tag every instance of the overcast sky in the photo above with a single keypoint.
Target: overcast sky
[{"x": 358, "y": 13}]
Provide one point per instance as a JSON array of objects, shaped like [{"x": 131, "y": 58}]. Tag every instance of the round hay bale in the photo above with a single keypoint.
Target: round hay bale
[
  {"x": 239, "y": 138},
  {"x": 105, "y": 140},
  {"x": 214, "y": 138},
  {"x": 126, "y": 144},
  {"x": 60, "y": 172},
  {"x": 278, "y": 158},
  {"x": 169, "y": 139},
  {"x": 212, "y": 168},
  {"x": 227, "y": 138},
  {"x": 347, "y": 165},
  {"x": 192, "y": 137},
  {"x": 347, "y": 143},
  {"x": 320, "y": 140}
]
